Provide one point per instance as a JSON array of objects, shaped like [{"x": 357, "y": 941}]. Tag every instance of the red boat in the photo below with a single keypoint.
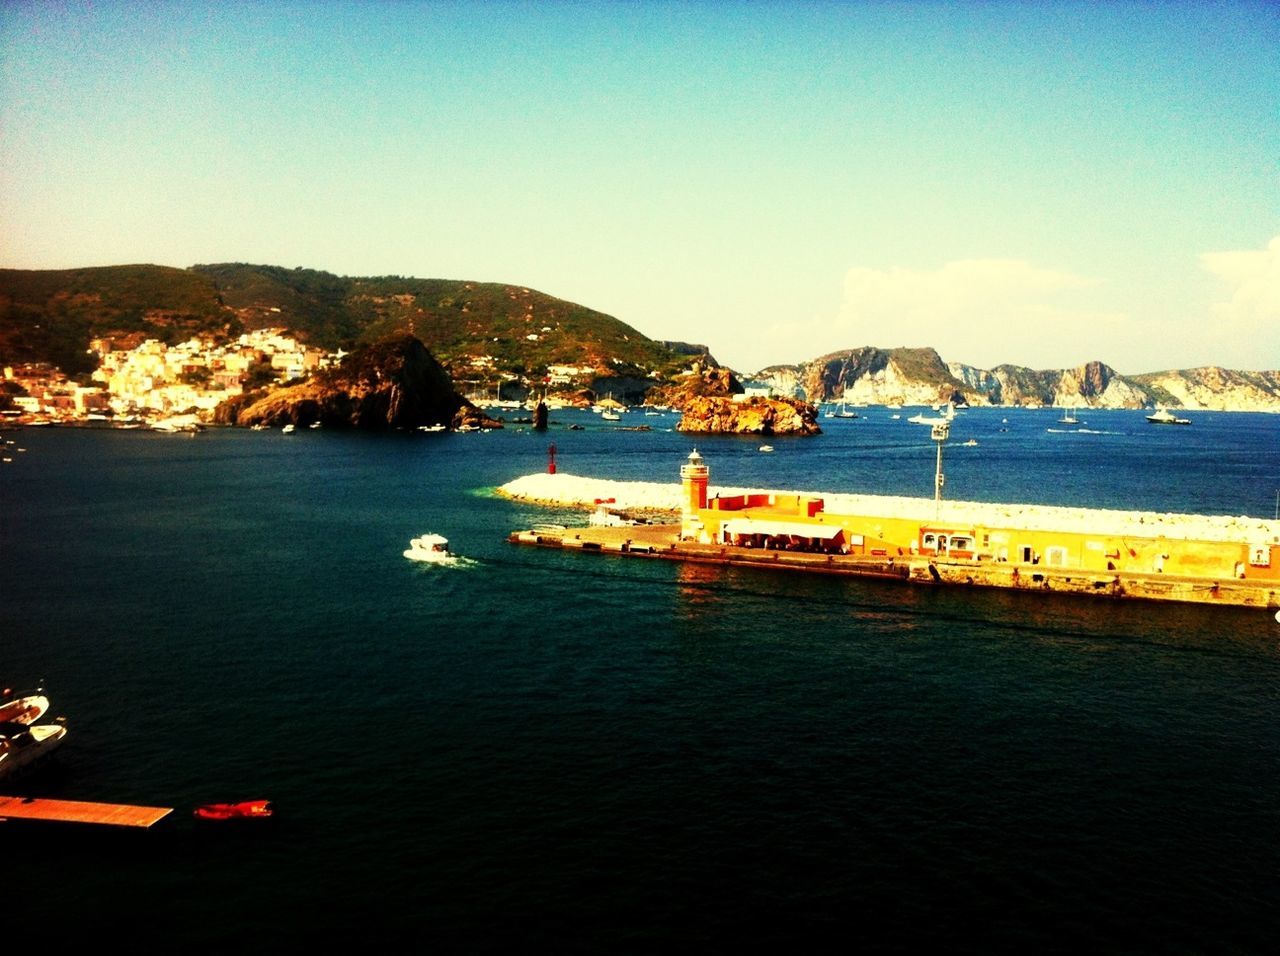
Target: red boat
[{"x": 246, "y": 810}]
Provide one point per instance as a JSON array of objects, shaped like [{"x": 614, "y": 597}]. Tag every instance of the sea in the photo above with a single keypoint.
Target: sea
[{"x": 537, "y": 750}]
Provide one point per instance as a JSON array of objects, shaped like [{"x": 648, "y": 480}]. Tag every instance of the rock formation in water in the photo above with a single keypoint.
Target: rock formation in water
[
  {"x": 701, "y": 380},
  {"x": 749, "y": 416},
  {"x": 395, "y": 383}
]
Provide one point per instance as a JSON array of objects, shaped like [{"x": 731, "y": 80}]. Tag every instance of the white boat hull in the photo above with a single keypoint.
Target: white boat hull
[{"x": 20, "y": 753}]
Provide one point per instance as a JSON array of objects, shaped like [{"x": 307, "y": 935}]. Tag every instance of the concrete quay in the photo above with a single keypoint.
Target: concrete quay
[{"x": 663, "y": 541}]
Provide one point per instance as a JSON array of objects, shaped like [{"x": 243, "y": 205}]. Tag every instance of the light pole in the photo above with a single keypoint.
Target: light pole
[{"x": 939, "y": 434}]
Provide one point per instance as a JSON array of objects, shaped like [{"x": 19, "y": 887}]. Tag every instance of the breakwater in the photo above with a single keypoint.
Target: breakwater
[{"x": 1224, "y": 560}]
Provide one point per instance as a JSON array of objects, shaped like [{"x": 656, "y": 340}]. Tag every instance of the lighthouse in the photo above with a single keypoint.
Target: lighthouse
[{"x": 693, "y": 481}]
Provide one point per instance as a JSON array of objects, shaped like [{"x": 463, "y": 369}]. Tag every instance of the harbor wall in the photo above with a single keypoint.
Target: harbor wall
[{"x": 920, "y": 533}]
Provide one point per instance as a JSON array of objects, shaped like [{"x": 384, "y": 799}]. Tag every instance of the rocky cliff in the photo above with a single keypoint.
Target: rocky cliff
[
  {"x": 392, "y": 384},
  {"x": 1213, "y": 388},
  {"x": 751, "y": 416},
  {"x": 919, "y": 376},
  {"x": 872, "y": 376}
]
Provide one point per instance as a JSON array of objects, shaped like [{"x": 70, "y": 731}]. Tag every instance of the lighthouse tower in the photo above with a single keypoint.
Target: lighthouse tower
[{"x": 693, "y": 482}]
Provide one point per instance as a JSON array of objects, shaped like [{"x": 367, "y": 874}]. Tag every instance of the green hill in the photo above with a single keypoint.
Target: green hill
[
  {"x": 50, "y": 315},
  {"x": 477, "y": 330}
]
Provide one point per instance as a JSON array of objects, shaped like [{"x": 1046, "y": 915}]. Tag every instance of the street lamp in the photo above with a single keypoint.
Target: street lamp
[{"x": 940, "y": 433}]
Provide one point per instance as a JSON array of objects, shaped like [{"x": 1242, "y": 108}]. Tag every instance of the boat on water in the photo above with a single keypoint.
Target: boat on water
[
  {"x": 946, "y": 414},
  {"x": 288, "y": 429},
  {"x": 1068, "y": 418},
  {"x": 244, "y": 810},
  {"x": 610, "y": 416},
  {"x": 1165, "y": 417},
  {"x": 430, "y": 548},
  {"x": 22, "y": 745},
  {"x": 174, "y": 424},
  {"x": 431, "y": 428},
  {"x": 23, "y": 710},
  {"x": 766, "y": 448}
]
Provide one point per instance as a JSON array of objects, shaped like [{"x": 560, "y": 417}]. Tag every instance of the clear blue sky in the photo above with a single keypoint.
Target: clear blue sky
[{"x": 1034, "y": 183}]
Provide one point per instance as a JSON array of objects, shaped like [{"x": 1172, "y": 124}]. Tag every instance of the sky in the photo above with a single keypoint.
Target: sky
[{"x": 1030, "y": 183}]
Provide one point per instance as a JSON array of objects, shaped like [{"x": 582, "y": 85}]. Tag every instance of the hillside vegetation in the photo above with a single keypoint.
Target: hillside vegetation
[
  {"x": 479, "y": 331},
  {"x": 50, "y": 316}
]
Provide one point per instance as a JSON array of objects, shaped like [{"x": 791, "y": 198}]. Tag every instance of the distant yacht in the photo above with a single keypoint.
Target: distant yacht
[{"x": 1165, "y": 417}]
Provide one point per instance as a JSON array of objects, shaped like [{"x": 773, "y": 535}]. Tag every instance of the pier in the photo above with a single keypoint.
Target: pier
[
  {"x": 76, "y": 811},
  {"x": 662, "y": 542},
  {"x": 1195, "y": 559}
]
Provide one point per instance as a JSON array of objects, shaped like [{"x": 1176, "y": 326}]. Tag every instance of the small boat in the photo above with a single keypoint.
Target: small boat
[
  {"x": 245, "y": 810},
  {"x": 1068, "y": 418},
  {"x": 24, "y": 710},
  {"x": 22, "y": 746},
  {"x": 431, "y": 428},
  {"x": 766, "y": 448},
  {"x": 288, "y": 429},
  {"x": 432, "y": 548},
  {"x": 971, "y": 443},
  {"x": 1165, "y": 417}
]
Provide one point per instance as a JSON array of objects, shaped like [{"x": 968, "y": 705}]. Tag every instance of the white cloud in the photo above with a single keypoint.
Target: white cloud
[
  {"x": 980, "y": 311},
  {"x": 1251, "y": 313}
]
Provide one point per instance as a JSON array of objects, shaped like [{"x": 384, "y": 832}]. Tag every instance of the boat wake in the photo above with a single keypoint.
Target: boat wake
[{"x": 455, "y": 562}]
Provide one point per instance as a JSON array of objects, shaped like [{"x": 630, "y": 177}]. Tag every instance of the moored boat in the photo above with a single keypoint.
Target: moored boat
[
  {"x": 24, "y": 710},
  {"x": 22, "y": 746},
  {"x": 244, "y": 810}
]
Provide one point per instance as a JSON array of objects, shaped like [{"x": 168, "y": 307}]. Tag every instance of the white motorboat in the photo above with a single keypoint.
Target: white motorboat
[
  {"x": 431, "y": 548},
  {"x": 22, "y": 746},
  {"x": 24, "y": 710},
  {"x": 288, "y": 429},
  {"x": 431, "y": 428},
  {"x": 766, "y": 448},
  {"x": 1165, "y": 417}
]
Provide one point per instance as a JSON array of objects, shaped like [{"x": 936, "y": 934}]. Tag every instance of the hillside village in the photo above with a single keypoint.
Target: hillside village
[{"x": 153, "y": 380}]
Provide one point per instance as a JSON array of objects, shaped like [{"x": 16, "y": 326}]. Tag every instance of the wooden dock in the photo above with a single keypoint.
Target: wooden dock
[{"x": 76, "y": 811}]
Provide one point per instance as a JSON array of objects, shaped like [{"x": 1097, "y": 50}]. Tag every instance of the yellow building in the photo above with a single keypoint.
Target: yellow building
[{"x": 1017, "y": 536}]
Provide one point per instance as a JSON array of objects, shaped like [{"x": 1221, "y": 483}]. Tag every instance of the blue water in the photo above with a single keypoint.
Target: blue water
[{"x": 585, "y": 753}]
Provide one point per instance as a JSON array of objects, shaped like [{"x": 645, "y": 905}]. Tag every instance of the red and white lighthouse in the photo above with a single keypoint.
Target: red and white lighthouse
[{"x": 693, "y": 481}]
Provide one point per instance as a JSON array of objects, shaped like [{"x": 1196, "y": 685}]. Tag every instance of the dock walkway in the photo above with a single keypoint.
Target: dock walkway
[
  {"x": 76, "y": 811},
  {"x": 662, "y": 541}
]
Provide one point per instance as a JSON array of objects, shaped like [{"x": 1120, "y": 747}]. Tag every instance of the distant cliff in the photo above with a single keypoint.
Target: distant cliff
[
  {"x": 1214, "y": 388},
  {"x": 920, "y": 376},
  {"x": 391, "y": 384},
  {"x": 751, "y": 416}
]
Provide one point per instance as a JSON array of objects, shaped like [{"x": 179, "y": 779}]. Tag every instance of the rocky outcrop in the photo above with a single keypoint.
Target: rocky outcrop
[
  {"x": 392, "y": 384},
  {"x": 750, "y": 416},
  {"x": 883, "y": 376},
  {"x": 702, "y": 381}
]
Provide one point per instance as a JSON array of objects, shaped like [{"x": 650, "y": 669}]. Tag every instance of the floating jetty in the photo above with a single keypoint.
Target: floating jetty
[
  {"x": 1109, "y": 554},
  {"x": 76, "y": 811}
]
